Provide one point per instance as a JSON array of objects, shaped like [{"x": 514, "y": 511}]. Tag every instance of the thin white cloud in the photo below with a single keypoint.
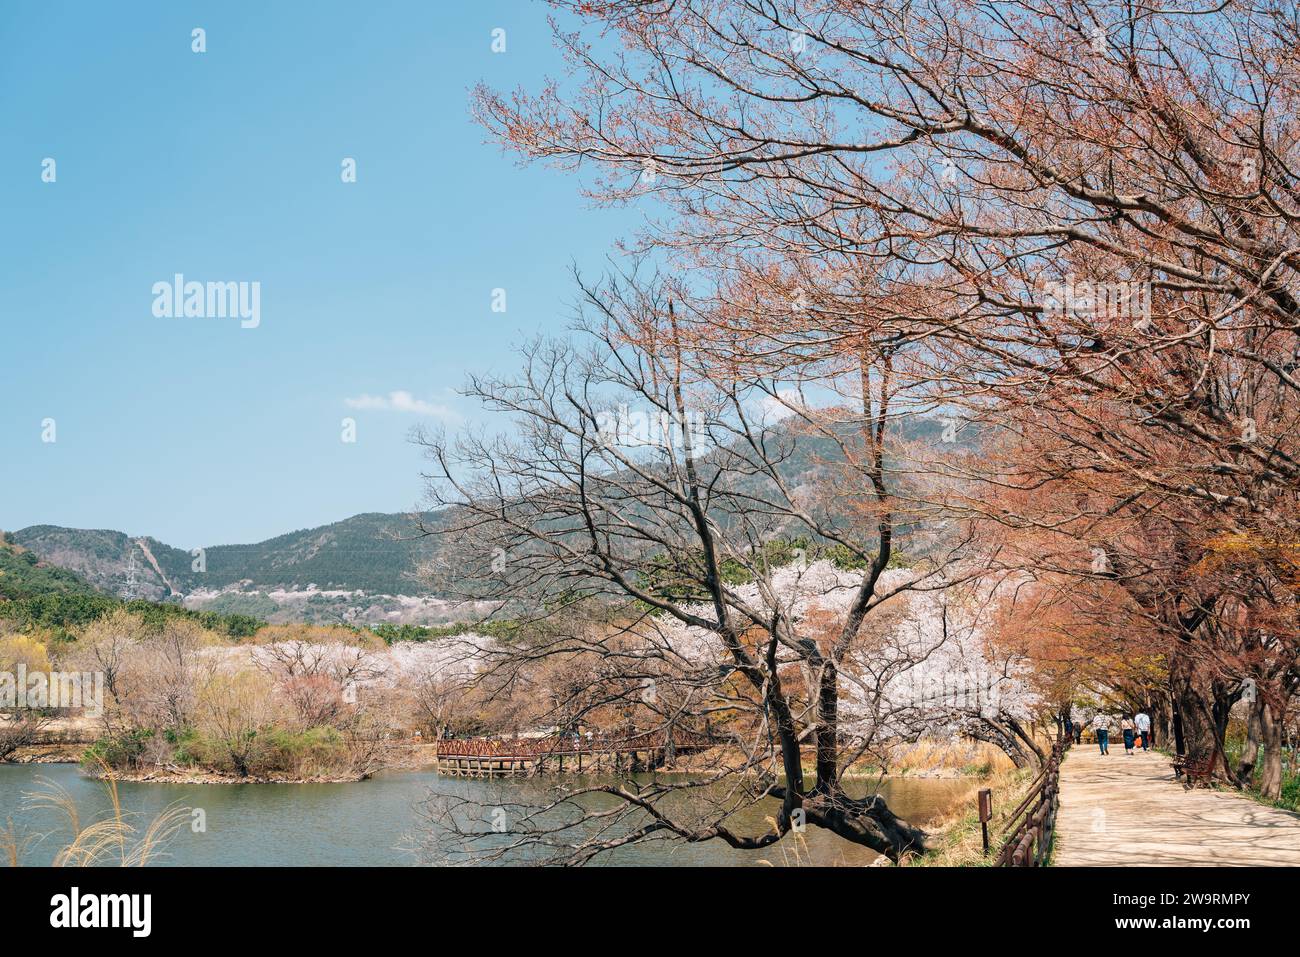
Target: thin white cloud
[
  {"x": 400, "y": 400},
  {"x": 774, "y": 408}
]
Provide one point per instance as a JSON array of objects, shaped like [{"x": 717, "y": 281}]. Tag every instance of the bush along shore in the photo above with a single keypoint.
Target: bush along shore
[
  {"x": 175, "y": 701},
  {"x": 240, "y": 755}
]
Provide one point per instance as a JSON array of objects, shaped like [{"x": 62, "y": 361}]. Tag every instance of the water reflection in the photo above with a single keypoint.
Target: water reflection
[{"x": 381, "y": 822}]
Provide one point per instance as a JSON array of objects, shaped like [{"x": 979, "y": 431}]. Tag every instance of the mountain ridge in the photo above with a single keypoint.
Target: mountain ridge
[
  {"x": 371, "y": 551},
  {"x": 360, "y": 569}
]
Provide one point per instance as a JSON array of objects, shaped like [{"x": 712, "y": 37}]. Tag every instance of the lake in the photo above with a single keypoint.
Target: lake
[{"x": 380, "y": 821}]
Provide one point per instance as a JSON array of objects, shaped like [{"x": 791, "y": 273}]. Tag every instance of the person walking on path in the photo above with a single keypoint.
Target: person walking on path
[
  {"x": 1143, "y": 722},
  {"x": 1126, "y": 728},
  {"x": 1078, "y": 733},
  {"x": 1101, "y": 724}
]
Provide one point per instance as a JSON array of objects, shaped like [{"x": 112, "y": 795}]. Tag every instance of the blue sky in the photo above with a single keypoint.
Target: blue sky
[{"x": 225, "y": 166}]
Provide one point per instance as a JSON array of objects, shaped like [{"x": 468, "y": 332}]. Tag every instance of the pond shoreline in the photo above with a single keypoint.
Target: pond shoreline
[
  {"x": 404, "y": 757},
  {"x": 393, "y": 818},
  {"x": 401, "y": 758},
  {"x": 62, "y": 753}
]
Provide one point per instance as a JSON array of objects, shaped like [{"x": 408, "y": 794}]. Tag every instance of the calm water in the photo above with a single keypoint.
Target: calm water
[{"x": 378, "y": 822}]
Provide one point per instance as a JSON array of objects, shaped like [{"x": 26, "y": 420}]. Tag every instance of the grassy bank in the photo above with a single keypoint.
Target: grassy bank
[
  {"x": 921, "y": 759},
  {"x": 958, "y": 838},
  {"x": 929, "y": 758},
  {"x": 1289, "y": 799}
]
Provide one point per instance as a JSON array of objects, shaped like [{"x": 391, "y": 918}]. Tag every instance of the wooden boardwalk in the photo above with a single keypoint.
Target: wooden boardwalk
[
  {"x": 490, "y": 757},
  {"x": 1119, "y": 811}
]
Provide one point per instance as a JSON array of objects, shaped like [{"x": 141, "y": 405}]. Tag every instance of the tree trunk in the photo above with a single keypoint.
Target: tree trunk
[
  {"x": 1003, "y": 739},
  {"x": 1221, "y": 711},
  {"x": 1194, "y": 725},
  {"x": 1250, "y": 752},
  {"x": 1160, "y": 721},
  {"x": 1027, "y": 739},
  {"x": 827, "y": 724},
  {"x": 869, "y": 822},
  {"x": 1270, "y": 735}
]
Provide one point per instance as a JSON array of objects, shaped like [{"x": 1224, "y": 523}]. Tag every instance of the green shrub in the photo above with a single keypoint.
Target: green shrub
[
  {"x": 314, "y": 748},
  {"x": 1290, "y": 796},
  {"x": 119, "y": 752},
  {"x": 187, "y": 749}
]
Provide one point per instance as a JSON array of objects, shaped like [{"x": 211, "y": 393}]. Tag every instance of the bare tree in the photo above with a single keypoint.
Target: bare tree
[{"x": 641, "y": 474}]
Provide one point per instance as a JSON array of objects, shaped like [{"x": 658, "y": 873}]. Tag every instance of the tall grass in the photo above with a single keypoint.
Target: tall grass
[
  {"x": 937, "y": 757},
  {"x": 958, "y": 839},
  {"x": 111, "y": 839},
  {"x": 794, "y": 853}
]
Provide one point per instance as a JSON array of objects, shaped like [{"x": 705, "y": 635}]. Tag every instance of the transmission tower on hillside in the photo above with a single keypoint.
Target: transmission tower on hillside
[{"x": 129, "y": 592}]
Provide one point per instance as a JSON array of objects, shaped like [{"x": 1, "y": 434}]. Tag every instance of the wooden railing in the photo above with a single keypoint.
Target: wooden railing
[
  {"x": 1028, "y": 832},
  {"x": 567, "y": 745}
]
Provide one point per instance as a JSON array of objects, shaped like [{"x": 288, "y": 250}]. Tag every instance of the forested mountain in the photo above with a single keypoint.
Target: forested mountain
[
  {"x": 359, "y": 570},
  {"x": 23, "y": 575},
  {"x": 341, "y": 571},
  {"x": 372, "y": 552}
]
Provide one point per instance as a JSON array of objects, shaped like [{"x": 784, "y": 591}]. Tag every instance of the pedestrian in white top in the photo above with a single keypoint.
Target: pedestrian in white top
[
  {"x": 1101, "y": 724},
  {"x": 1143, "y": 722}
]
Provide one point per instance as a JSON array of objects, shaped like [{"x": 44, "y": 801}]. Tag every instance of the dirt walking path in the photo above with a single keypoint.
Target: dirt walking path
[{"x": 1129, "y": 811}]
